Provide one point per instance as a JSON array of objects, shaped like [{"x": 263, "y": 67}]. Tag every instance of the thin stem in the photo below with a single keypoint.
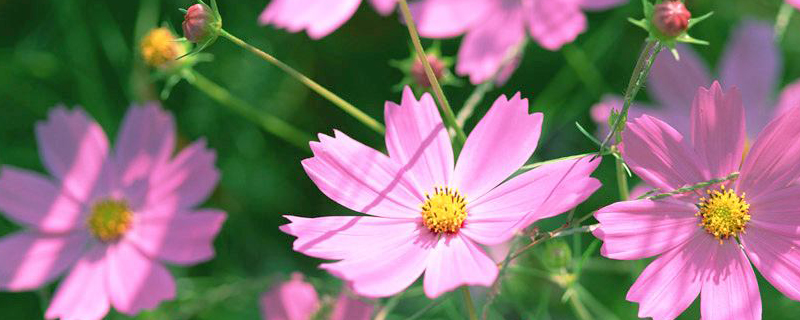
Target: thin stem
[
  {"x": 449, "y": 117},
  {"x": 577, "y": 156},
  {"x": 468, "y": 299},
  {"x": 580, "y": 308},
  {"x": 268, "y": 122},
  {"x": 782, "y": 20},
  {"x": 325, "y": 93},
  {"x": 560, "y": 232},
  {"x": 651, "y": 194},
  {"x": 622, "y": 179}
]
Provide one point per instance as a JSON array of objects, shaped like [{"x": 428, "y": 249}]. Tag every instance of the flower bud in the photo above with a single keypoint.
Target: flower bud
[
  {"x": 199, "y": 23},
  {"x": 159, "y": 48},
  {"x": 418, "y": 70},
  {"x": 671, "y": 17}
]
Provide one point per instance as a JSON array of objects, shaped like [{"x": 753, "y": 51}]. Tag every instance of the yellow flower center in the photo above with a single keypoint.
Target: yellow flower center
[
  {"x": 160, "y": 48},
  {"x": 724, "y": 213},
  {"x": 444, "y": 211},
  {"x": 110, "y": 219}
]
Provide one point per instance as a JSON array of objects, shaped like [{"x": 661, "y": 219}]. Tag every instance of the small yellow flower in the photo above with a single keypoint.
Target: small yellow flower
[{"x": 159, "y": 48}]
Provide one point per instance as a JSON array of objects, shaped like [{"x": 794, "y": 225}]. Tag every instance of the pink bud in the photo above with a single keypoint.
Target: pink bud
[
  {"x": 197, "y": 23},
  {"x": 671, "y": 17},
  {"x": 418, "y": 70}
]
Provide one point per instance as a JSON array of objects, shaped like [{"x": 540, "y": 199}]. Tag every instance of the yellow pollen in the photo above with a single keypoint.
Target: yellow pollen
[
  {"x": 110, "y": 219},
  {"x": 724, "y": 213},
  {"x": 444, "y": 211},
  {"x": 160, "y": 48}
]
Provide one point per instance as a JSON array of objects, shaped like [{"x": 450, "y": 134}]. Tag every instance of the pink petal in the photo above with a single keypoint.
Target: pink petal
[
  {"x": 776, "y": 257},
  {"x": 789, "y": 98},
  {"x": 670, "y": 283},
  {"x": 146, "y": 140},
  {"x": 718, "y": 129},
  {"x": 487, "y": 43},
  {"x": 135, "y": 282},
  {"x": 449, "y": 18},
  {"x": 384, "y": 7},
  {"x": 74, "y": 149},
  {"x": 795, "y": 3},
  {"x": 601, "y": 4},
  {"x": 499, "y": 145},
  {"x": 777, "y": 211},
  {"x": 554, "y": 23},
  {"x": 537, "y": 194},
  {"x": 640, "y": 229},
  {"x": 658, "y": 154},
  {"x": 417, "y": 139},
  {"x": 351, "y": 308},
  {"x": 186, "y": 180},
  {"x": 362, "y": 179},
  {"x": 291, "y": 300},
  {"x": 30, "y": 259},
  {"x": 674, "y": 85},
  {"x": 318, "y": 18},
  {"x": 179, "y": 238},
  {"x": 774, "y": 160},
  {"x": 83, "y": 294},
  {"x": 752, "y": 64},
  {"x": 730, "y": 290},
  {"x": 457, "y": 261},
  {"x": 35, "y": 201}
]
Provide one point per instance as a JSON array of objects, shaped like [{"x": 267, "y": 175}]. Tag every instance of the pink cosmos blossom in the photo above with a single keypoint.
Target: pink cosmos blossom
[
  {"x": 317, "y": 17},
  {"x": 795, "y": 3},
  {"x": 495, "y": 27},
  {"x": 107, "y": 219},
  {"x": 705, "y": 240},
  {"x": 751, "y": 62},
  {"x": 297, "y": 300},
  {"x": 426, "y": 212}
]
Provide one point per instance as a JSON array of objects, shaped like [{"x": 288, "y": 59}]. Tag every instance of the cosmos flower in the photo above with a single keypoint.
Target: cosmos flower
[
  {"x": 427, "y": 212},
  {"x": 107, "y": 219},
  {"x": 317, "y": 17},
  {"x": 795, "y": 3},
  {"x": 706, "y": 240},
  {"x": 495, "y": 27},
  {"x": 297, "y": 300}
]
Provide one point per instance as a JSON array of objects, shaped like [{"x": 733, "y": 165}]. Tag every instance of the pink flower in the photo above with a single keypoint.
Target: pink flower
[
  {"x": 317, "y": 17},
  {"x": 425, "y": 212},
  {"x": 107, "y": 219},
  {"x": 297, "y": 300},
  {"x": 795, "y": 3},
  {"x": 495, "y": 27},
  {"x": 751, "y": 62},
  {"x": 703, "y": 239}
]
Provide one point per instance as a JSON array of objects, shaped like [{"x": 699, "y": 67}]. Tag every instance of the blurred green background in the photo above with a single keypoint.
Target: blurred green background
[{"x": 81, "y": 52}]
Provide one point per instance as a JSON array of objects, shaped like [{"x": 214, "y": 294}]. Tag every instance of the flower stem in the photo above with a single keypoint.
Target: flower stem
[
  {"x": 782, "y": 20},
  {"x": 622, "y": 180},
  {"x": 268, "y": 122},
  {"x": 580, "y": 308},
  {"x": 325, "y": 93},
  {"x": 449, "y": 116},
  {"x": 468, "y": 299}
]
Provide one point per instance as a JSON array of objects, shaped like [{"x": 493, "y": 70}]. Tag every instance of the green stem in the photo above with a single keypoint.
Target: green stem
[
  {"x": 580, "y": 308},
  {"x": 325, "y": 93},
  {"x": 268, "y": 122},
  {"x": 577, "y": 156},
  {"x": 622, "y": 180},
  {"x": 782, "y": 21},
  {"x": 468, "y": 298},
  {"x": 651, "y": 194},
  {"x": 449, "y": 116}
]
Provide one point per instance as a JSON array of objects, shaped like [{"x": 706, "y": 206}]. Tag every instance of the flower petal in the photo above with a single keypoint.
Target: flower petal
[
  {"x": 776, "y": 257},
  {"x": 670, "y": 283},
  {"x": 362, "y": 179},
  {"x": 601, "y": 4},
  {"x": 294, "y": 299},
  {"x": 351, "y": 308},
  {"x": 318, "y": 18},
  {"x": 499, "y": 145},
  {"x": 384, "y": 7},
  {"x": 74, "y": 149},
  {"x": 639, "y": 229},
  {"x": 134, "y": 281},
  {"x": 83, "y": 294},
  {"x": 730, "y": 290},
  {"x": 774, "y": 160},
  {"x": 674, "y": 85},
  {"x": 795, "y": 3},
  {"x": 449, "y": 18},
  {"x": 186, "y": 180},
  {"x": 718, "y": 129},
  {"x": 658, "y": 154},
  {"x": 30, "y": 259},
  {"x": 487, "y": 43},
  {"x": 34, "y": 201},
  {"x": 537, "y": 194},
  {"x": 554, "y": 23},
  {"x": 146, "y": 140},
  {"x": 457, "y": 261},
  {"x": 179, "y": 238},
  {"x": 789, "y": 98},
  {"x": 777, "y": 211},
  {"x": 417, "y": 139}
]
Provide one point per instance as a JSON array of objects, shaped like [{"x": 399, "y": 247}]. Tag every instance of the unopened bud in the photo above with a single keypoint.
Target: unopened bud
[
  {"x": 199, "y": 23},
  {"x": 160, "y": 48},
  {"x": 671, "y": 18},
  {"x": 418, "y": 70}
]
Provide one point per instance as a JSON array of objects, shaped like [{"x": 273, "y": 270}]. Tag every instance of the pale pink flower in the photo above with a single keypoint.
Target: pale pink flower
[
  {"x": 297, "y": 300},
  {"x": 495, "y": 27},
  {"x": 107, "y": 219},
  {"x": 317, "y": 17},
  {"x": 705, "y": 240},
  {"x": 426, "y": 212},
  {"x": 751, "y": 62},
  {"x": 795, "y": 3}
]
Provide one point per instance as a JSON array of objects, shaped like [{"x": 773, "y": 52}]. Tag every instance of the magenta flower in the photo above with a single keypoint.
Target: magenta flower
[
  {"x": 703, "y": 239},
  {"x": 795, "y": 3},
  {"x": 297, "y": 300},
  {"x": 427, "y": 213},
  {"x": 495, "y": 27},
  {"x": 317, "y": 17},
  {"x": 110, "y": 218},
  {"x": 751, "y": 62}
]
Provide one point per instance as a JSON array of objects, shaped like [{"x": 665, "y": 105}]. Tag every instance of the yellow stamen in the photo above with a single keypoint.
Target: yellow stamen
[
  {"x": 724, "y": 213},
  {"x": 110, "y": 219},
  {"x": 160, "y": 48},
  {"x": 444, "y": 211}
]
